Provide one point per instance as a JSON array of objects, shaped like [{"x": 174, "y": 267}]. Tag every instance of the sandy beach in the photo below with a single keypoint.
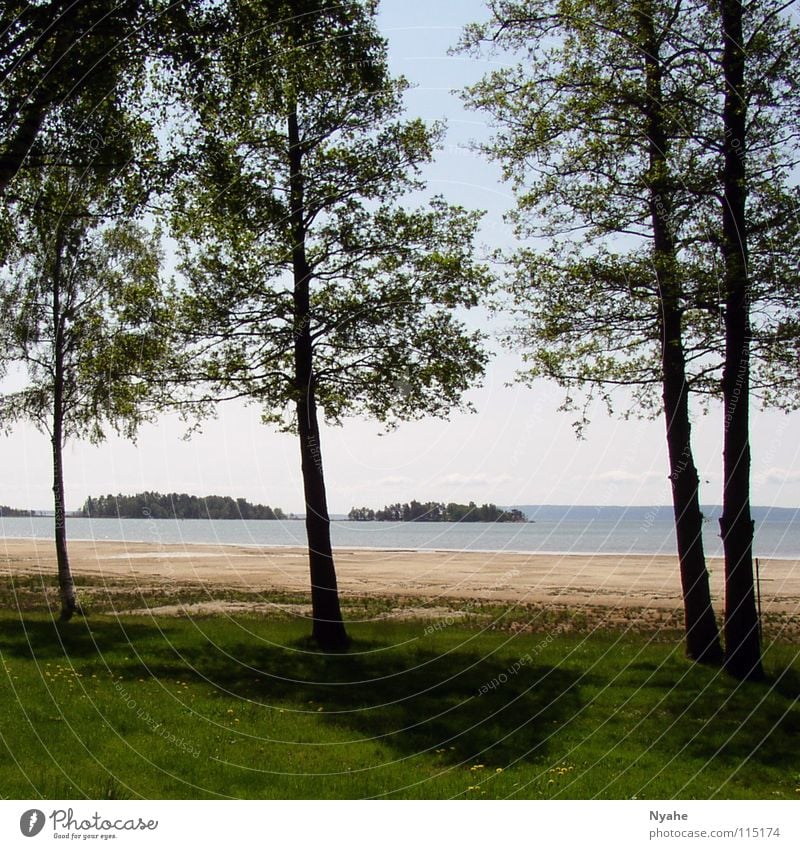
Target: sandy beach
[{"x": 574, "y": 580}]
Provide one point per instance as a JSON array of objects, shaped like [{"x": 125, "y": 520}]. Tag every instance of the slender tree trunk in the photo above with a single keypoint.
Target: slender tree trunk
[
  {"x": 702, "y": 634},
  {"x": 328, "y": 625},
  {"x": 742, "y": 641},
  {"x": 66, "y": 585}
]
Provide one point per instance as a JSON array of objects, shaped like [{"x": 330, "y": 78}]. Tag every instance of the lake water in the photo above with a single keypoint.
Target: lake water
[{"x": 645, "y": 533}]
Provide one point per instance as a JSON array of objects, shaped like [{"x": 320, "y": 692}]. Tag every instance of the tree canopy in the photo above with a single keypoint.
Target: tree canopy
[{"x": 572, "y": 140}]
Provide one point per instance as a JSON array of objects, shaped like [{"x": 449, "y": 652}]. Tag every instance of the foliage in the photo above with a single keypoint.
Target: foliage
[
  {"x": 83, "y": 65},
  {"x": 434, "y": 511},
  {"x": 60, "y": 58},
  {"x": 384, "y": 278},
  {"x": 155, "y": 505},
  {"x": 84, "y": 311},
  {"x": 572, "y": 137}
]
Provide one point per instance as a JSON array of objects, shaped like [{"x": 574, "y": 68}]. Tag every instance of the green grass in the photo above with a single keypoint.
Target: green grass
[{"x": 127, "y": 707}]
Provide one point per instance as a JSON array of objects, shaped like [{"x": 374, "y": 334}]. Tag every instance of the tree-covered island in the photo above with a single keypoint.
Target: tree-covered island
[
  {"x": 435, "y": 511},
  {"x": 155, "y": 505}
]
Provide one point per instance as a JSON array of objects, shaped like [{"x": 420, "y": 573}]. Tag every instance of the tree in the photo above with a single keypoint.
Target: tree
[
  {"x": 83, "y": 310},
  {"x": 313, "y": 283},
  {"x": 743, "y": 650},
  {"x": 434, "y": 511},
  {"x": 591, "y": 128},
  {"x": 614, "y": 135}
]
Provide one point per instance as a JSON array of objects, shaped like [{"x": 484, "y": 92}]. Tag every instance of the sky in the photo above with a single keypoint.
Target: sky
[{"x": 515, "y": 449}]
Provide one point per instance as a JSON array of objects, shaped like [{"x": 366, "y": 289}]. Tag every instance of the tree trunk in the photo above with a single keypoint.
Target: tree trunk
[
  {"x": 328, "y": 626},
  {"x": 742, "y": 640},
  {"x": 66, "y": 585},
  {"x": 702, "y": 634}
]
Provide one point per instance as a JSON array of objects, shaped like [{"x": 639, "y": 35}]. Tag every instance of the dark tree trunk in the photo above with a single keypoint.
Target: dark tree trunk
[
  {"x": 66, "y": 585},
  {"x": 742, "y": 640},
  {"x": 328, "y": 626},
  {"x": 702, "y": 634}
]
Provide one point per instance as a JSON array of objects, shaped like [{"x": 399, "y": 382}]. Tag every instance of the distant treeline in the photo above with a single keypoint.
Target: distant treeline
[
  {"x": 154, "y": 505},
  {"x": 12, "y": 512},
  {"x": 435, "y": 511}
]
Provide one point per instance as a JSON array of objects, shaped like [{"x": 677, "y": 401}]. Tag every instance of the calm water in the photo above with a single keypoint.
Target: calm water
[{"x": 648, "y": 535}]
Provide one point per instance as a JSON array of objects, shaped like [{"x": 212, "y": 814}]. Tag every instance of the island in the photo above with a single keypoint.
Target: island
[
  {"x": 175, "y": 505},
  {"x": 436, "y": 511},
  {"x": 14, "y": 513}
]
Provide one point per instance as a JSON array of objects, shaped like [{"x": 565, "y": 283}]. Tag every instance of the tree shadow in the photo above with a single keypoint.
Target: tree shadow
[
  {"x": 45, "y": 638},
  {"x": 786, "y": 682},
  {"x": 715, "y": 717},
  {"x": 461, "y": 704}
]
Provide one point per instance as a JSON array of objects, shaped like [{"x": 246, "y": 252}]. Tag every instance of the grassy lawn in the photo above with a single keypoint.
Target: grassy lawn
[{"x": 127, "y": 706}]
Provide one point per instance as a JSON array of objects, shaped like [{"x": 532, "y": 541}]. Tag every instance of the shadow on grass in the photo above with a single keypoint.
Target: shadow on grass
[
  {"x": 786, "y": 682},
  {"x": 44, "y": 637},
  {"x": 713, "y": 717},
  {"x": 460, "y": 703},
  {"x": 465, "y": 699}
]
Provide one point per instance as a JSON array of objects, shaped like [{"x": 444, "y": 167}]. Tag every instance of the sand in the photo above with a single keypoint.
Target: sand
[{"x": 575, "y": 580}]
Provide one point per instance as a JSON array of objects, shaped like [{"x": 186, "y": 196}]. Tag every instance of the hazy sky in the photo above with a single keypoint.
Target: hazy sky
[{"x": 515, "y": 450}]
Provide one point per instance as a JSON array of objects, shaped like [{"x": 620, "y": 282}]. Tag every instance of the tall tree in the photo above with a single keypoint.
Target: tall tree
[
  {"x": 314, "y": 286},
  {"x": 743, "y": 650},
  {"x": 702, "y": 636},
  {"x": 592, "y": 124},
  {"x": 84, "y": 316},
  {"x": 615, "y": 136}
]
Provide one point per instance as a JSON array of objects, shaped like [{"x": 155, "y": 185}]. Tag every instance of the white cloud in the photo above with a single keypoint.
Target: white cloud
[
  {"x": 621, "y": 476},
  {"x": 457, "y": 480},
  {"x": 778, "y": 475},
  {"x": 396, "y": 480}
]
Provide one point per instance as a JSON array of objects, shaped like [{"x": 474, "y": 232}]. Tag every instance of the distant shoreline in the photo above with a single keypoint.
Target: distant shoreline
[
  {"x": 567, "y": 512},
  {"x": 652, "y": 534}
]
